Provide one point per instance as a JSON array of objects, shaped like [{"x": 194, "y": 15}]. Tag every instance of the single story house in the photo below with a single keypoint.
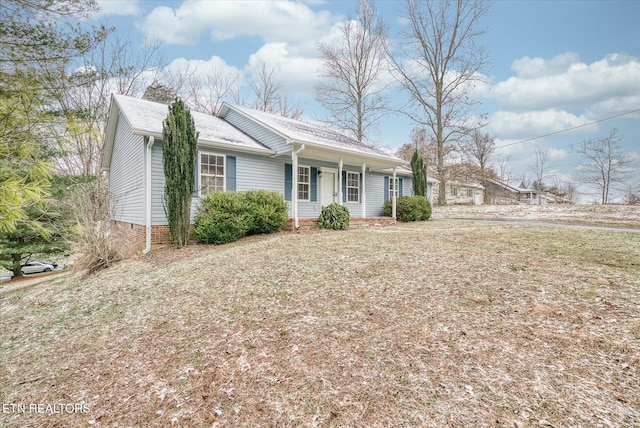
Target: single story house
[
  {"x": 241, "y": 149},
  {"x": 516, "y": 193},
  {"x": 461, "y": 193}
]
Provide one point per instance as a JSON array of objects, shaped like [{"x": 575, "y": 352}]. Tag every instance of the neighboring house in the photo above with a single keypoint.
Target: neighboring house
[
  {"x": 517, "y": 193},
  {"x": 243, "y": 149},
  {"x": 461, "y": 193}
]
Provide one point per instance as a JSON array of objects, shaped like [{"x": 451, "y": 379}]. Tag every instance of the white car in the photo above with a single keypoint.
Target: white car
[
  {"x": 35, "y": 267},
  {"x": 6, "y": 276}
]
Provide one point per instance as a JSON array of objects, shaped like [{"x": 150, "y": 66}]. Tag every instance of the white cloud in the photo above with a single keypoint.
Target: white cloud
[
  {"x": 531, "y": 68},
  {"x": 557, "y": 154},
  {"x": 564, "y": 82},
  {"x": 297, "y": 74},
  {"x": 529, "y": 124},
  {"x": 200, "y": 68},
  {"x": 271, "y": 21},
  {"x": 120, "y": 8}
]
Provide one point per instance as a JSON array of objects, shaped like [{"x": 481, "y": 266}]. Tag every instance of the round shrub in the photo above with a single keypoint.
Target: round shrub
[
  {"x": 221, "y": 217},
  {"x": 268, "y": 211},
  {"x": 220, "y": 228},
  {"x": 228, "y": 216},
  {"x": 334, "y": 216},
  {"x": 409, "y": 208}
]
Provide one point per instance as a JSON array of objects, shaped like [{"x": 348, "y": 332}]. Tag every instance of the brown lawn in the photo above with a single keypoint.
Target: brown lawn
[{"x": 441, "y": 323}]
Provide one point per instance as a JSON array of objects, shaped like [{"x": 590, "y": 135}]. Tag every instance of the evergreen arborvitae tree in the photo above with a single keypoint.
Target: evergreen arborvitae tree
[
  {"x": 179, "y": 158},
  {"x": 419, "y": 175}
]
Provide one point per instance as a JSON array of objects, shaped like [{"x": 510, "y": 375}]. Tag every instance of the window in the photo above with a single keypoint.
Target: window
[
  {"x": 454, "y": 191},
  {"x": 211, "y": 173},
  {"x": 393, "y": 187},
  {"x": 469, "y": 193},
  {"x": 304, "y": 175},
  {"x": 353, "y": 187}
]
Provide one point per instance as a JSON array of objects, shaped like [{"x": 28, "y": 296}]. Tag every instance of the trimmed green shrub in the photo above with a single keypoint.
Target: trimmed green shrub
[
  {"x": 334, "y": 216},
  {"x": 268, "y": 211},
  {"x": 218, "y": 227},
  {"x": 409, "y": 208},
  {"x": 222, "y": 217},
  {"x": 228, "y": 216}
]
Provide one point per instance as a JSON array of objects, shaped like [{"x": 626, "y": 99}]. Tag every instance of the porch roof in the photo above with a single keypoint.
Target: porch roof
[{"x": 321, "y": 141}]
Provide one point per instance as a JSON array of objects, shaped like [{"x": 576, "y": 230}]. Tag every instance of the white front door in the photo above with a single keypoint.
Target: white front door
[{"x": 328, "y": 188}]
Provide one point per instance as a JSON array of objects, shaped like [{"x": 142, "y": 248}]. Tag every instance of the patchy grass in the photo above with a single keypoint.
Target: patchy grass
[
  {"x": 602, "y": 215},
  {"x": 427, "y": 324}
]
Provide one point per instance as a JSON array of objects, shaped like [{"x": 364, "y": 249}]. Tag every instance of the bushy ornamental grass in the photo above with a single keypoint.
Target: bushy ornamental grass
[
  {"x": 228, "y": 216},
  {"x": 409, "y": 208},
  {"x": 334, "y": 216}
]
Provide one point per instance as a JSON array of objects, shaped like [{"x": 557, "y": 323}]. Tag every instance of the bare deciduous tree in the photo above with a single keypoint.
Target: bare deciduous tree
[
  {"x": 353, "y": 88},
  {"x": 267, "y": 95},
  {"x": 112, "y": 66},
  {"x": 479, "y": 149},
  {"x": 539, "y": 167},
  {"x": 438, "y": 63},
  {"x": 605, "y": 165},
  {"x": 207, "y": 92},
  {"x": 265, "y": 89}
]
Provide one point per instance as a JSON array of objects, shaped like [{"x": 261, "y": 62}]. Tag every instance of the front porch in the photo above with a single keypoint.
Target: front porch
[{"x": 307, "y": 224}]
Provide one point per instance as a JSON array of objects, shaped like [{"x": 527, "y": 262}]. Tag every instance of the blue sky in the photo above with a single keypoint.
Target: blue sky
[{"x": 554, "y": 64}]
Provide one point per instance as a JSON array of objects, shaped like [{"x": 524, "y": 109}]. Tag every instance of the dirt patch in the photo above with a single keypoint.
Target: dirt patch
[{"x": 430, "y": 324}]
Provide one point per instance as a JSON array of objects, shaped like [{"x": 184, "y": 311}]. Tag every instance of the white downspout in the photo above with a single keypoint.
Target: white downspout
[
  {"x": 294, "y": 185},
  {"x": 148, "y": 198},
  {"x": 393, "y": 197},
  {"x": 363, "y": 198}
]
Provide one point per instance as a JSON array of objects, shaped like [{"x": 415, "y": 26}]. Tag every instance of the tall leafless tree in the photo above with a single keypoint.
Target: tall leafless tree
[
  {"x": 540, "y": 167},
  {"x": 605, "y": 164},
  {"x": 438, "y": 62},
  {"x": 354, "y": 73},
  {"x": 112, "y": 66},
  {"x": 268, "y": 97},
  {"x": 479, "y": 149},
  {"x": 265, "y": 90},
  {"x": 206, "y": 92}
]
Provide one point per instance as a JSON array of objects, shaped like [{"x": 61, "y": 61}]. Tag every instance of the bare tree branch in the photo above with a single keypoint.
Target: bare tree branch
[
  {"x": 353, "y": 90},
  {"x": 438, "y": 64},
  {"x": 605, "y": 165}
]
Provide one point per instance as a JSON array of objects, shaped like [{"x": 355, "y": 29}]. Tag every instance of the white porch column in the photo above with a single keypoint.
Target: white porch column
[
  {"x": 363, "y": 199},
  {"x": 340, "y": 197},
  {"x": 393, "y": 197}
]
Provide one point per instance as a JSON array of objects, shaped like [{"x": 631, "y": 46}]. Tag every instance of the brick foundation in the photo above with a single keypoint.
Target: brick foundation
[
  {"x": 135, "y": 234},
  {"x": 306, "y": 224}
]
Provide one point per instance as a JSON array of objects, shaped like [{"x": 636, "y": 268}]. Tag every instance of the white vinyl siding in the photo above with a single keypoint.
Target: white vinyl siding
[{"x": 126, "y": 176}]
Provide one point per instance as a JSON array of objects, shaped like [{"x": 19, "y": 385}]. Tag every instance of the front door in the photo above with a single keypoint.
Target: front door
[{"x": 328, "y": 188}]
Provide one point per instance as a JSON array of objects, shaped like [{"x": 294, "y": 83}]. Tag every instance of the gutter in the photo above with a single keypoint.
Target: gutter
[
  {"x": 148, "y": 198},
  {"x": 294, "y": 185}
]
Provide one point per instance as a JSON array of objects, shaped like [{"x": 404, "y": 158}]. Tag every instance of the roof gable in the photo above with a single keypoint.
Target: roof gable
[{"x": 315, "y": 134}]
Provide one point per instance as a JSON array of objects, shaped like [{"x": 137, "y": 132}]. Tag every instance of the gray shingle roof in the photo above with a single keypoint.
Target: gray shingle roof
[
  {"x": 313, "y": 133},
  {"x": 146, "y": 117}
]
